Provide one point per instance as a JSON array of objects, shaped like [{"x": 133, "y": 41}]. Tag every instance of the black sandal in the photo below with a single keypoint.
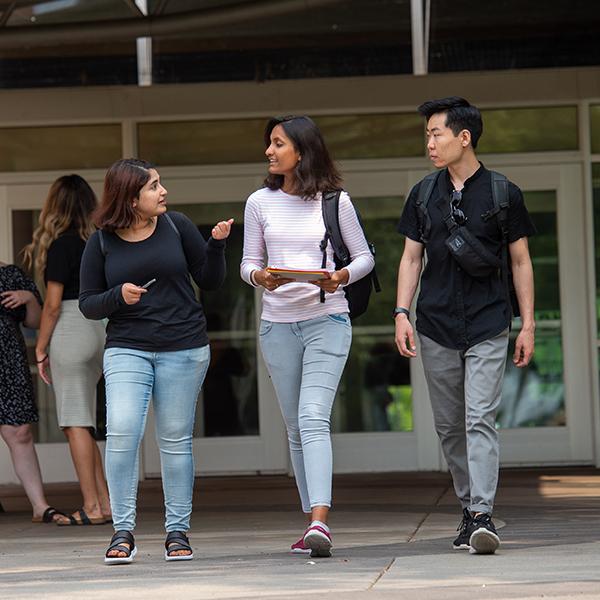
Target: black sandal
[
  {"x": 83, "y": 519},
  {"x": 176, "y": 541},
  {"x": 48, "y": 516},
  {"x": 116, "y": 543}
]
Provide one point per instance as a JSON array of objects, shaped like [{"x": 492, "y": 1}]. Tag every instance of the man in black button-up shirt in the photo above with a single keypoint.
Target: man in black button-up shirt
[{"x": 463, "y": 321}]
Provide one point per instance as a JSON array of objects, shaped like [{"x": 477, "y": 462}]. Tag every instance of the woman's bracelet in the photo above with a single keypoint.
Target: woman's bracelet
[
  {"x": 252, "y": 279},
  {"x": 43, "y": 359}
]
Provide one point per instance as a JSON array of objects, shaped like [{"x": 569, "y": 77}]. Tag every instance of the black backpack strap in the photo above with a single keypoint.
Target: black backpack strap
[
  {"x": 101, "y": 240},
  {"x": 425, "y": 190},
  {"x": 330, "y": 203},
  {"x": 330, "y": 206},
  {"x": 500, "y": 211},
  {"x": 170, "y": 222}
]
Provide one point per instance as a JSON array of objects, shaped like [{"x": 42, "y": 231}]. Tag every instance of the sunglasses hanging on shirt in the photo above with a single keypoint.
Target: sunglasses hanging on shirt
[{"x": 455, "y": 212}]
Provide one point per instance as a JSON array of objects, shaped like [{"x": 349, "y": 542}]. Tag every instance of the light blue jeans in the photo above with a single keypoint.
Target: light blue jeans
[
  {"x": 306, "y": 360},
  {"x": 173, "y": 381}
]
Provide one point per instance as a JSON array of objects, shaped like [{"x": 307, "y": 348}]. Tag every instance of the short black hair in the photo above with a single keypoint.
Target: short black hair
[{"x": 460, "y": 114}]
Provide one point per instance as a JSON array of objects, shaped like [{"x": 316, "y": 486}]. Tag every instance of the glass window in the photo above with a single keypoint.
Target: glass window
[
  {"x": 228, "y": 401},
  {"x": 202, "y": 142},
  {"x": 535, "y": 396},
  {"x": 210, "y": 142},
  {"x": 375, "y": 392},
  {"x": 373, "y": 136},
  {"x": 595, "y": 126},
  {"x": 63, "y": 147},
  {"x": 529, "y": 129},
  {"x": 596, "y": 201}
]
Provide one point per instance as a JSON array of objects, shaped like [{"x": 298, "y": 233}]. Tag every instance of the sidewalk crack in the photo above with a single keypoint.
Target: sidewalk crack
[
  {"x": 414, "y": 533},
  {"x": 382, "y": 573},
  {"x": 436, "y": 503}
]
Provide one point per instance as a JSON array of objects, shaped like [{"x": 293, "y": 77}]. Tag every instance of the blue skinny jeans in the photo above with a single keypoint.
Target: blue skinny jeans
[
  {"x": 172, "y": 380},
  {"x": 306, "y": 360}
]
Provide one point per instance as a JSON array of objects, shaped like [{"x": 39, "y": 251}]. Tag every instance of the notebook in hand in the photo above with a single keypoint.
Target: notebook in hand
[{"x": 300, "y": 274}]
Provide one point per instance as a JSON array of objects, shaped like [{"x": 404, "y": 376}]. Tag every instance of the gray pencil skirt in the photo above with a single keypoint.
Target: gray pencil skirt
[{"x": 76, "y": 350}]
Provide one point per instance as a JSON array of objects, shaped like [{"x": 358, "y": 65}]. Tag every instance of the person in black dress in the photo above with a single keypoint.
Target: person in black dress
[{"x": 20, "y": 302}]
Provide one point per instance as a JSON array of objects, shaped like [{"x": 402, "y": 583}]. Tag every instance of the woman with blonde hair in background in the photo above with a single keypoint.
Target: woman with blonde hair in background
[{"x": 69, "y": 347}]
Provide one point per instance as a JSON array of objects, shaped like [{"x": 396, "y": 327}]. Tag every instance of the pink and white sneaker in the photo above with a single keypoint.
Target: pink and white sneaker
[
  {"x": 299, "y": 547},
  {"x": 318, "y": 540}
]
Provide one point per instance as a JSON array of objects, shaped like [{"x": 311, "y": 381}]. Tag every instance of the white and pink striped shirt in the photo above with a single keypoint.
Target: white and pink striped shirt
[{"x": 281, "y": 230}]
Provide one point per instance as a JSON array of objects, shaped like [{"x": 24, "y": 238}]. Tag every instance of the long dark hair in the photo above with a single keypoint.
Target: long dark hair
[
  {"x": 69, "y": 205},
  {"x": 316, "y": 171},
  {"x": 122, "y": 184}
]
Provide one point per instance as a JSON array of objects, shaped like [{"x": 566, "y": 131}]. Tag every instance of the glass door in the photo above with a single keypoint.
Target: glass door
[
  {"x": 381, "y": 419},
  {"x": 546, "y": 410}
]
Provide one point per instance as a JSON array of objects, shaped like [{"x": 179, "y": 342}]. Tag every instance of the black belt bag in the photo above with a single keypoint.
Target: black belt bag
[{"x": 471, "y": 254}]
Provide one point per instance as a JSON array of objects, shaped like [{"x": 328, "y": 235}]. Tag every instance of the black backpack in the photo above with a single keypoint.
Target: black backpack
[
  {"x": 358, "y": 292},
  {"x": 500, "y": 211}
]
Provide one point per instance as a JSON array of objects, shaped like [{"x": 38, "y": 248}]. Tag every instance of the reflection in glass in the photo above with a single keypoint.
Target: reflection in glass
[
  {"x": 375, "y": 393},
  {"x": 228, "y": 402},
  {"x": 385, "y": 135},
  {"x": 537, "y": 129},
  {"x": 534, "y": 396},
  {"x": 595, "y": 133},
  {"x": 596, "y": 200},
  {"x": 80, "y": 147}
]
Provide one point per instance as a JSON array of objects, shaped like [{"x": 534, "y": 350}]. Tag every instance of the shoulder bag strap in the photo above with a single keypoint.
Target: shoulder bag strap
[{"x": 170, "y": 222}]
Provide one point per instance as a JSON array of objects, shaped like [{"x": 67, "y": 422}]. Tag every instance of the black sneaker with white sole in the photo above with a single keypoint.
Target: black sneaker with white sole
[
  {"x": 462, "y": 541},
  {"x": 483, "y": 538}
]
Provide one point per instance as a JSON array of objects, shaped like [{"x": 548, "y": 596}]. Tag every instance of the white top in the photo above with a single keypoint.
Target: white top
[{"x": 281, "y": 230}]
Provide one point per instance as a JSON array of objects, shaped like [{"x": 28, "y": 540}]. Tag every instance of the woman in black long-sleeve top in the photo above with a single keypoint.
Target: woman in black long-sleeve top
[{"x": 136, "y": 272}]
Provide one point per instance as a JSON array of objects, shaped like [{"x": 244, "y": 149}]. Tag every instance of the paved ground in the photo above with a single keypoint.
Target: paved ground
[{"x": 392, "y": 537}]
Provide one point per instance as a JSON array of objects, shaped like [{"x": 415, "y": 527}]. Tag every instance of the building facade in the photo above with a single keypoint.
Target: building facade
[{"x": 541, "y": 128}]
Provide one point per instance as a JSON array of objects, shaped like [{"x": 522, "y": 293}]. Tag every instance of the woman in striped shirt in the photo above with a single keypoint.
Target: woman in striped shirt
[{"x": 304, "y": 341}]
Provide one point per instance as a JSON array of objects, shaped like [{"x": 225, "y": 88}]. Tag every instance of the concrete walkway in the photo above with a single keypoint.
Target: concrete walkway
[{"x": 392, "y": 536}]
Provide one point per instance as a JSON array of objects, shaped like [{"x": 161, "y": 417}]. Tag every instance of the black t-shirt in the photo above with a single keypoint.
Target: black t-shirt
[
  {"x": 168, "y": 317},
  {"x": 454, "y": 309},
  {"x": 63, "y": 263}
]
